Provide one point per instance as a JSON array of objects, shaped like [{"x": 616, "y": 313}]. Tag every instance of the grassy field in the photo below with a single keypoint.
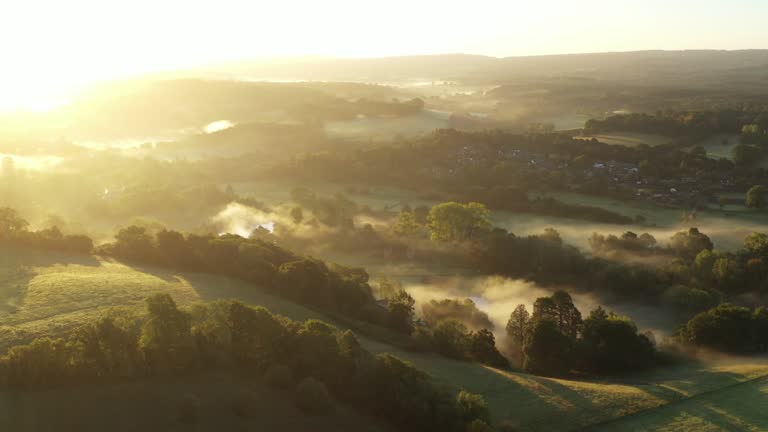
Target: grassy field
[
  {"x": 631, "y": 139},
  {"x": 381, "y": 129},
  {"x": 742, "y": 407},
  {"x": 715, "y": 148},
  {"x": 46, "y": 294},
  {"x": 43, "y": 294},
  {"x": 534, "y": 403}
]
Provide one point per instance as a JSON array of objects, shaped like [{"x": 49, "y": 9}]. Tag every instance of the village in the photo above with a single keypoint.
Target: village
[{"x": 687, "y": 188}]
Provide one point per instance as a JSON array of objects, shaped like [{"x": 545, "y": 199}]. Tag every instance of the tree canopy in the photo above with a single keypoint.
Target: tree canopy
[{"x": 452, "y": 221}]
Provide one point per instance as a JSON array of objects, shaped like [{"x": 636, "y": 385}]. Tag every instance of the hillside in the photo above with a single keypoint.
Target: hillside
[
  {"x": 738, "y": 407},
  {"x": 45, "y": 294},
  {"x": 95, "y": 408}
]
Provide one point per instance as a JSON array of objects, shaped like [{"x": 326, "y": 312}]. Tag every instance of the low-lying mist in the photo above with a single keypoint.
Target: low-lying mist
[
  {"x": 726, "y": 232},
  {"x": 498, "y": 296}
]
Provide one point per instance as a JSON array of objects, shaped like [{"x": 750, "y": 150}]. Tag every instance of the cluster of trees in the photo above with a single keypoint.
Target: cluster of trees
[
  {"x": 672, "y": 123},
  {"x": 510, "y": 198},
  {"x": 332, "y": 288},
  {"x": 443, "y": 329},
  {"x": 610, "y": 246},
  {"x": 452, "y": 221},
  {"x": 232, "y": 336},
  {"x": 733, "y": 273},
  {"x": 747, "y": 154},
  {"x": 686, "y": 244},
  {"x": 445, "y": 222},
  {"x": 555, "y": 340},
  {"x": 451, "y": 338},
  {"x": 157, "y": 197},
  {"x": 336, "y": 290},
  {"x": 544, "y": 258},
  {"x": 756, "y": 132},
  {"x": 15, "y": 230},
  {"x": 463, "y": 310},
  {"x": 728, "y": 328},
  {"x": 693, "y": 278}
]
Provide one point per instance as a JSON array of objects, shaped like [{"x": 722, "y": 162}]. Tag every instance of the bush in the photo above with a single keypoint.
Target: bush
[
  {"x": 473, "y": 408},
  {"x": 312, "y": 397},
  {"x": 279, "y": 377}
]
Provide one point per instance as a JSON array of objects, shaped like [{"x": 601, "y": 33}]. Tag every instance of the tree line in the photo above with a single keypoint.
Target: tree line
[
  {"x": 14, "y": 230},
  {"x": 228, "y": 335}
]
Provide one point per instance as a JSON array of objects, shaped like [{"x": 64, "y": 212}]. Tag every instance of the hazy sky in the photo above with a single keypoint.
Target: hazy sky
[{"x": 54, "y": 43}]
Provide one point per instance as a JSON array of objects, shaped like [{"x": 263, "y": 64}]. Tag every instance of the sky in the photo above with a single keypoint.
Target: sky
[{"x": 49, "y": 46}]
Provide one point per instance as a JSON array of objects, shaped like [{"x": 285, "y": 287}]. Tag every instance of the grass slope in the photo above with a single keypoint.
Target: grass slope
[
  {"x": 741, "y": 407},
  {"x": 45, "y": 294}
]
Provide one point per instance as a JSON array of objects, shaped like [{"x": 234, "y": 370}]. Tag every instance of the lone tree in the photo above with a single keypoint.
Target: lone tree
[
  {"x": 452, "y": 221},
  {"x": 756, "y": 197},
  {"x": 401, "y": 311}
]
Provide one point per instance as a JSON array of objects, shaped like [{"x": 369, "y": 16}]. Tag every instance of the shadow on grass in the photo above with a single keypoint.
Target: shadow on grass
[
  {"x": 14, "y": 281},
  {"x": 165, "y": 274},
  {"x": 11, "y": 255},
  {"x": 538, "y": 403}
]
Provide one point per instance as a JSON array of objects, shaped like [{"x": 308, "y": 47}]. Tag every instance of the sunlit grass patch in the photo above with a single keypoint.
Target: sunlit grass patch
[{"x": 742, "y": 407}]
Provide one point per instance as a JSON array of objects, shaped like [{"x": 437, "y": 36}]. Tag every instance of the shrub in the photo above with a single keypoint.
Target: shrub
[
  {"x": 312, "y": 397},
  {"x": 473, "y": 408}
]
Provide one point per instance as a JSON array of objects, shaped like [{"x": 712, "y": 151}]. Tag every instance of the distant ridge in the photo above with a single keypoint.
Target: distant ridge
[{"x": 648, "y": 67}]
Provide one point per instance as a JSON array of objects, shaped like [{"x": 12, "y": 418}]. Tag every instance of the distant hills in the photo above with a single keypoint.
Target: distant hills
[{"x": 745, "y": 68}]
